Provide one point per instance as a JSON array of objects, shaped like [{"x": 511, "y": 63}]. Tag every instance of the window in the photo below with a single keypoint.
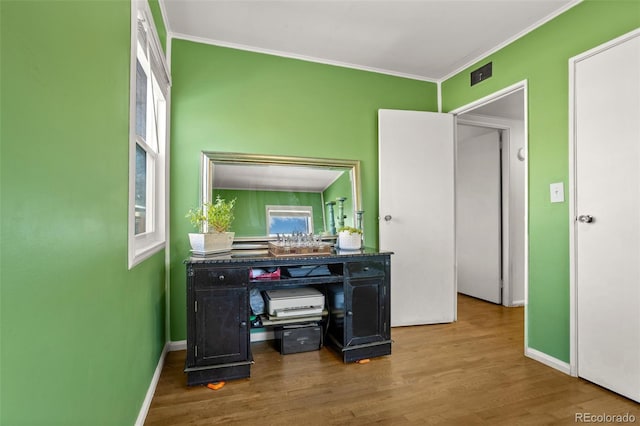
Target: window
[
  {"x": 149, "y": 119},
  {"x": 289, "y": 220}
]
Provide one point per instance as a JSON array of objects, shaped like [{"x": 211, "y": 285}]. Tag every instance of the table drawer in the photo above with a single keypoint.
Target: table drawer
[
  {"x": 236, "y": 277},
  {"x": 365, "y": 269}
]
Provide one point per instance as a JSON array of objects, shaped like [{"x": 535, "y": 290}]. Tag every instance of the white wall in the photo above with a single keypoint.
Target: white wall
[{"x": 513, "y": 172}]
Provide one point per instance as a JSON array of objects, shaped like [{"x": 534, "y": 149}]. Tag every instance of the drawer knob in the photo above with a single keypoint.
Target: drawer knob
[
  {"x": 366, "y": 268},
  {"x": 221, "y": 277},
  {"x": 349, "y": 313},
  {"x": 243, "y": 324}
]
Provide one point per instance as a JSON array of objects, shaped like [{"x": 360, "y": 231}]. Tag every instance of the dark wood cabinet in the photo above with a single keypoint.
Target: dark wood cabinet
[
  {"x": 359, "y": 308},
  {"x": 357, "y": 294},
  {"x": 217, "y": 323}
]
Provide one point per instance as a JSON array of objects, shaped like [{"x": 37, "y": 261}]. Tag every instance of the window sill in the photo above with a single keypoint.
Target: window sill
[{"x": 144, "y": 252}]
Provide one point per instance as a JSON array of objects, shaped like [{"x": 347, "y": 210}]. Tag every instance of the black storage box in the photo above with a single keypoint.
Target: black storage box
[{"x": 292, "y": 339}]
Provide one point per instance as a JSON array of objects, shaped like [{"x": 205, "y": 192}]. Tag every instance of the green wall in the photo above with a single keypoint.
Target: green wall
[
  {"x": 231, "y": 100},
  {"x": 250, "y": 211},
  {"x": 542, "y": 58},
  {"x": 81, "y": 334},
  {"x": 338, "y": 189},
  {"x": 154, "y": 6}
]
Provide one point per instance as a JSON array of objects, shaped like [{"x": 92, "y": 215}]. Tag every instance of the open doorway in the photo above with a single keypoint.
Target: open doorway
[
  {"x": 491, "y": 198},
  {"x": 479, "y": 220}
]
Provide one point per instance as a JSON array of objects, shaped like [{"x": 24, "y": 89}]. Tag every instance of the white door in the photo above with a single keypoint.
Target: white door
[
  {"x": 416, "y": 160},
  {"x": 478, "y": 213},
  {"x": 607, "y": 203}
]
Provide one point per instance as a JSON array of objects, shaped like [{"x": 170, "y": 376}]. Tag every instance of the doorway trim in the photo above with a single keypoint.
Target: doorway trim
[
  {"x": 573, "y": 288},
  {"x": 521, "y": 85},
  {"x": 504, "y": 127}
]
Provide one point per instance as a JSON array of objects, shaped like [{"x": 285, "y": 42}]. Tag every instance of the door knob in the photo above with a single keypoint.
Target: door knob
[
  {"x": 387, "y": 217},
  {"x": 586, "y": 218}
]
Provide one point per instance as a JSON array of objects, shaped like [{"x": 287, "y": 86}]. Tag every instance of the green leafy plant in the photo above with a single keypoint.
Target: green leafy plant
[
  {"x": 350, "y": 230},
  {"x": 217, "y": 215}
]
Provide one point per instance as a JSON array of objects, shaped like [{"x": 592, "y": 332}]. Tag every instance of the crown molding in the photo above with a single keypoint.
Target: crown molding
[
  {"x": 247, "y": 48},
  {"x": 510, "y": 40}
]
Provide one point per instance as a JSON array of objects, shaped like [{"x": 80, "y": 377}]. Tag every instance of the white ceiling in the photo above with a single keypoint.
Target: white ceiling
[
  {"x": 510, "y": 107},
  {"x": 422, "y": 39},
  {"x": 274, "y": 177}
]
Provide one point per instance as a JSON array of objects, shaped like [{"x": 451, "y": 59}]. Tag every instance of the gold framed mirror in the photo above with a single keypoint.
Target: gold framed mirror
[{"x": 290, "y": 181}]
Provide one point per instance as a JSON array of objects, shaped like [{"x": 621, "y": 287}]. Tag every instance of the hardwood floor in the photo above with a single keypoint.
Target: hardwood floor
[{"x": 472, "y": 372}]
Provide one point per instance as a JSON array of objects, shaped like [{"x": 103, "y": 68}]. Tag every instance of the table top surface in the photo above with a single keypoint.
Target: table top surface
[{"x": 236, "y": 256}]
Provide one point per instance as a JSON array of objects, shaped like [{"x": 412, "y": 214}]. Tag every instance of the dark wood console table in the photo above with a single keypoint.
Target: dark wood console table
[{"x": 357, "y": 296}]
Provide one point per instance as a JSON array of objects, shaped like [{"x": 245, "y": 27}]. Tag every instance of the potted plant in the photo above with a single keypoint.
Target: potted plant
[
  {"x": 213, "y": 220},
  {"x": 349, "y": 238}
]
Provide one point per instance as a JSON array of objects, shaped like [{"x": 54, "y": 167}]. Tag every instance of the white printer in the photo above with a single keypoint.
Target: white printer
[{"x": 294, "y": 302}]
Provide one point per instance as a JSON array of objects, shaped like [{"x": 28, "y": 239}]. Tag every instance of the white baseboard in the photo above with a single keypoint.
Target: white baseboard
[
  {"x": 261, "y": 336},
  {"x": 178, "y": 345},
  {"x": 517, "y": 303},
  {"x": 181, "y": 345},
  {"x": 548, "y": 360},
  {"x": 144, "y": 410}
]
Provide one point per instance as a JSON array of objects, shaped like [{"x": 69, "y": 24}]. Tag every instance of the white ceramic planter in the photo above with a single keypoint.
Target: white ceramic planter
[
  {"x": 348, "y": 241},
  {"x": 211, "y": 242}
]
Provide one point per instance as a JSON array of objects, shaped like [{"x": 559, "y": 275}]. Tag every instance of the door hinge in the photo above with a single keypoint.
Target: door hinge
[
  {"x": 196, "y": 306},
  {"x": 195, "y": 348}
]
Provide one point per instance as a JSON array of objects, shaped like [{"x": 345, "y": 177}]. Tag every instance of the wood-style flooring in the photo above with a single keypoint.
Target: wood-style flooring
[{"x": 471, "y": 372}]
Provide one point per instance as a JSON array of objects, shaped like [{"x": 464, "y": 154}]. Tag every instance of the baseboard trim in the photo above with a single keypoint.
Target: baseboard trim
[
  {"x": 548, "y": 360},
  {"x": 517, "y": 303},
  {"x": 144, "y": 410},
  {"x": 261, "y": 336},
  {"x": 179, "y": 345}
]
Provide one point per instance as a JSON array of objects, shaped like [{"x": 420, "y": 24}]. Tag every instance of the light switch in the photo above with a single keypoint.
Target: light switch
[{"x": 557, "y": 192}]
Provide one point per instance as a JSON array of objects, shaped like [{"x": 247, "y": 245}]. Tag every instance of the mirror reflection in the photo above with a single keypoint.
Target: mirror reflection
[{"x": 278, "y": 195}]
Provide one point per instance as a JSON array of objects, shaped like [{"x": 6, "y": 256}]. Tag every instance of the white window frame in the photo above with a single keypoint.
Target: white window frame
[
  {"x": 146, "y": 244},
  {"x": 301, "y": 211}
]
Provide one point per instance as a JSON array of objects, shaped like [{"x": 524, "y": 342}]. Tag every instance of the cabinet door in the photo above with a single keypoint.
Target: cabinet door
[
  {"x": 222, "y": 331},
  {"x": 365, "y": 311}
]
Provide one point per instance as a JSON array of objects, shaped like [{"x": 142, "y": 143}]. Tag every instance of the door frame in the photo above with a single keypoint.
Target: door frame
[
  {"x": 468, "y": 108},
  {"x": 573, "y": 288},
  {"x": 505, "y": 254}
]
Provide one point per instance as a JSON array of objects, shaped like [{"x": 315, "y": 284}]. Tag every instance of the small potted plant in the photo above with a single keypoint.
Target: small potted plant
[
  {"x": 349, "y": 238},
  {"x": 213, "y": 220}
]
